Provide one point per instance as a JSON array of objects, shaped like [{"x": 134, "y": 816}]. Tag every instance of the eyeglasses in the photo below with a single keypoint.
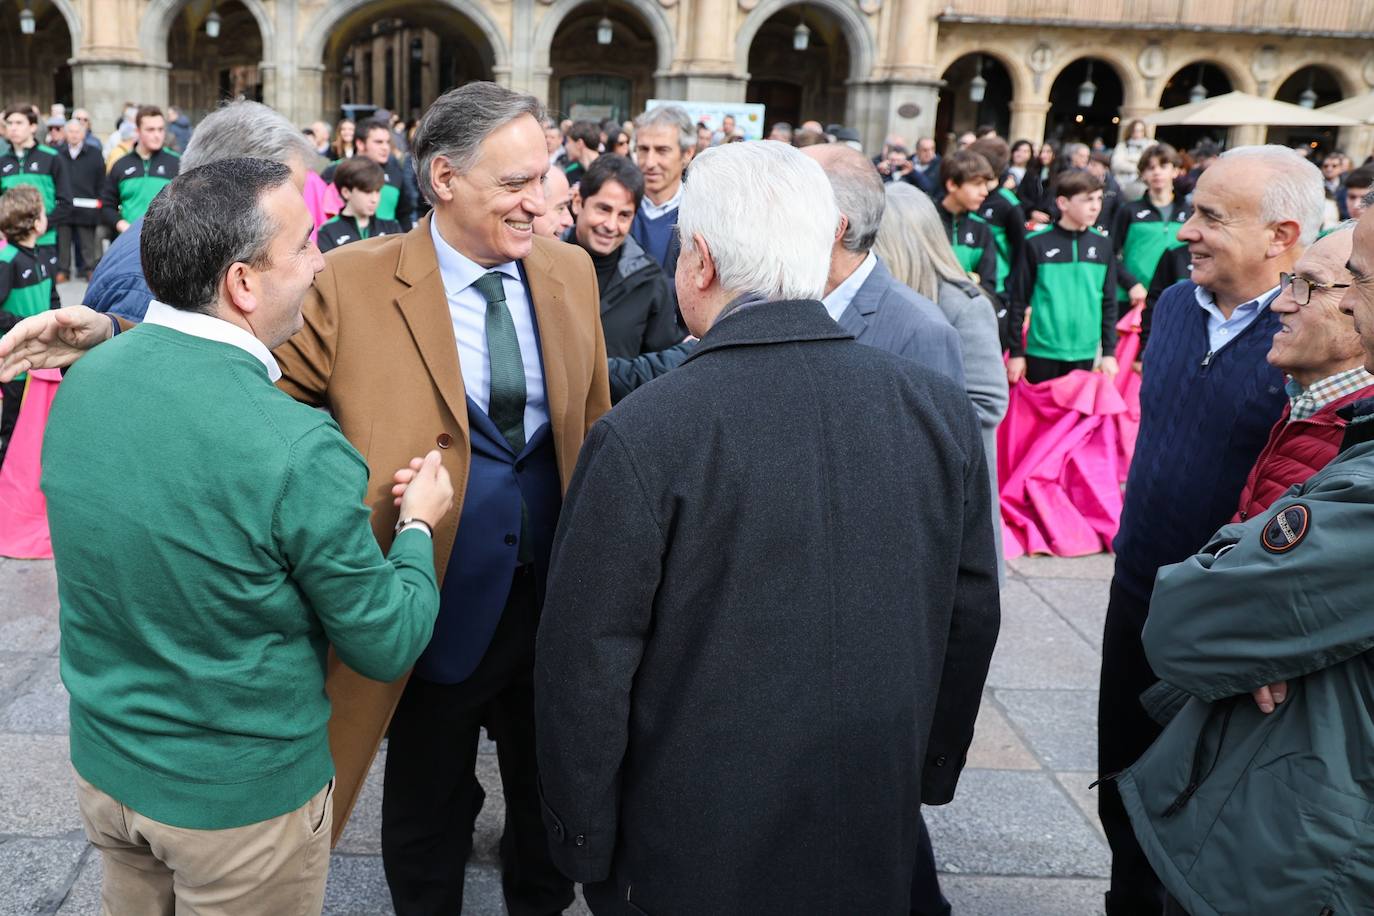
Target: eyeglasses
[{"x": 1303, "y": 287}]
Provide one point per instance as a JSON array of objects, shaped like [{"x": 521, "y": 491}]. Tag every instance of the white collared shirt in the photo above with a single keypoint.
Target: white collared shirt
[
  {"x": 208, "y": 327},
  {"x": 1222, "y": 330},
  {"x": 652, "y": 210},
  {"x": 842, "y": 295},
  {"x": 467, "y": 308}
]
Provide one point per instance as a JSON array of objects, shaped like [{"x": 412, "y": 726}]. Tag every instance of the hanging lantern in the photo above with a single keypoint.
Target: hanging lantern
[
  {"x": 605, "y": 31},
  {"x": 27, "y": 22},
  {"x": 212, "y": 23},
  {"x": 1087, "y": 90},
  {"x": 978, "y": 87},
  {"x": 1199, "y": 92},
  {"x": 1308, "y": 99},
  {"x": 801, "y": 37}
]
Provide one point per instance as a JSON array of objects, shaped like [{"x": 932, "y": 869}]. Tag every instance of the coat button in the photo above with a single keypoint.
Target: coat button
[
  {"x": 444, "y": 440},
  {"x": 1244, "y": 515},
  {"x": 510, "y": 540},
  {"x": 940, "y": 761},
  {"x": 558, "y": 830},
  {"x": 580, "y": 839}
]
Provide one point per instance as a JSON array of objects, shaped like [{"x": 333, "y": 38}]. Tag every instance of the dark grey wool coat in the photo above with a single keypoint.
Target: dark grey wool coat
[{"x": 771, "y": 608}]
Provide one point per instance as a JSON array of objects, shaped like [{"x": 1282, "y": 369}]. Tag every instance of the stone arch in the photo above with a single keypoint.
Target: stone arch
[
  {"x": 1021, "y": 82},
  {"x": 73, "y": 20},
  {"x": 1132, "y": 84},
  {"x": 1242, "y": 80},
  {"x": 317, "y": 34},
  {"x": 1350, "y": 84},
  {"x": 853, "y": 24},
  {"x": 648, "y": 10},
  {"x": 156, "y": 27}
]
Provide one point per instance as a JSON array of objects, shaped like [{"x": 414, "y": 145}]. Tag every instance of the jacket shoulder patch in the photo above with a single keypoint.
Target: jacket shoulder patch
[{"x": 1286, "y": 529}]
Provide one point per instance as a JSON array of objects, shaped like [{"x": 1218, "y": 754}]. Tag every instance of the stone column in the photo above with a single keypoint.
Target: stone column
[
  {"x": 102, "y": 86},
  {"x": 880, "y": 107},
  {"x": 1028, "y": 120}
]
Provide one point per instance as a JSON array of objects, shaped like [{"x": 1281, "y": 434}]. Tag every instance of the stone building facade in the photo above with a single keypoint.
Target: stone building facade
[{"x": 883, "y": 66}]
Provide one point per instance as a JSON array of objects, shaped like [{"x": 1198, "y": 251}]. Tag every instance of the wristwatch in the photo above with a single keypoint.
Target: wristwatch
[{"x": 406, "y": 523}]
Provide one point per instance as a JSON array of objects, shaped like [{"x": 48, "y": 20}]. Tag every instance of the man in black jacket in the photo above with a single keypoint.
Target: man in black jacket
[
  {"x": 637, "y": 311},
  {"x": 773, "y": 595},
  {"x": 79, "y": 218}
]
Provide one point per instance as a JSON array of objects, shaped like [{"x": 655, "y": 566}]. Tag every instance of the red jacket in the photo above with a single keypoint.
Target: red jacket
[{"x": 1295, "y": 451}]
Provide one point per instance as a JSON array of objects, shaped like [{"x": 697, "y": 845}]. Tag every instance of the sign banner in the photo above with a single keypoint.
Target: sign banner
[{"x": 748, "y": 116}]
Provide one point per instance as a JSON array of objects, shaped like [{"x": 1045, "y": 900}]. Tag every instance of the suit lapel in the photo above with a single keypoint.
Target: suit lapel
[
  {"x": 425, "y": 309},
  {"x": 854, "y": 318},
  {"x": 547, "y": 295}
]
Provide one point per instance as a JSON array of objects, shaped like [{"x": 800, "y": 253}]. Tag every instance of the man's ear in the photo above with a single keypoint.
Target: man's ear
[
  {"x": 575, "y": 202},
  {"x": 241, "y": 288},
  {"x": 441, "y": 177},
  {"x": 841, "y": 227},
  {"x": 704, "y": 271},
  {"x": 1286, "y": 234}
]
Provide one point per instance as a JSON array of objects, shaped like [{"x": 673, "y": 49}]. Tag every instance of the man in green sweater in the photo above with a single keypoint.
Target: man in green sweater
[{"x": 201, "y": 589}]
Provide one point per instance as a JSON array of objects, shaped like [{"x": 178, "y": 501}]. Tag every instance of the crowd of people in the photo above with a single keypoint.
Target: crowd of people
[{"x": 732, "y": 634}]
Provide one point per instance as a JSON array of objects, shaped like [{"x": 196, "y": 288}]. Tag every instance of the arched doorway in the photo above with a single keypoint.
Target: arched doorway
[
  {"x": 977, "y": 92},
  {"x": 1085, "y": 102},
  {"x": 216, "y": 52},
  {"x": 1193, "y": 83},
  {"x": 591, "y": 78},
  {"x": 401, "y": 57},
  {"x": 33, "y": 67},
  {"x": 799, "y": 63},
  {"x": 1310, "y": 87}
]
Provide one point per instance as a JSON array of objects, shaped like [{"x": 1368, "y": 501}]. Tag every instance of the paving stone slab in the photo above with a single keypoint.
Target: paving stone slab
[
  {"x": 35, "y": 874},
  {"x": 1023, "y": 896},
  {"x": 1082, "y": 602},
  {"x": 15, "y": 669},
  {"x": 996, "y": 746},
  {"x": 42, "y": 703},
  {"x": 1076, "y": 786},
  {"x": 84, "y": 897},
  {"x": 1098, "y": 566},
  {"x": 1010, "y": 823},
  {"x": 37, "y": 787},
  {"x": 357, "y": 887},
  {"x": 1061, "y": 725},
  {"x": 28, "y": 606},
  {"x": 1037, "y": 649}
]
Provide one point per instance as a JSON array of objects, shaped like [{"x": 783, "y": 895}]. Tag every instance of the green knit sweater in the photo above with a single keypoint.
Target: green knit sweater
[{"x": 211, "y": 541}]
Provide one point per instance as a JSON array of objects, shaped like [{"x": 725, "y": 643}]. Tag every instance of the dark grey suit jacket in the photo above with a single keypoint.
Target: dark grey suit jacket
[{"x": 892, "y": 316}]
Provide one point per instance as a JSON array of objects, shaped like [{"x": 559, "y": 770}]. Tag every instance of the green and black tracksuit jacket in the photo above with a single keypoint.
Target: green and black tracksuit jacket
[
  {"x": 1142, "y": 236},
  {"x": 343, "y": 229},
  {"x": 41, "y": 167},
  {"x": 1068, "y": 281},
  {"x": 974, "y": 246},
  {"x": 393, "y": 191},
  {"x": 133, "y": 182},
  {"x": 26, "y": 286},
  {"x": 1006, "y": 219}
]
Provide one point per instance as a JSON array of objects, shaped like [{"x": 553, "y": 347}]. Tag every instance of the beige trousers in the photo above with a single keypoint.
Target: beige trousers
[{"x": 276, "y": 866}]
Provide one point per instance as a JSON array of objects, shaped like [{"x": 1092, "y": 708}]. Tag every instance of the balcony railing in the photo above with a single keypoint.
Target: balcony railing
[{"x": 1353, "y": 18}]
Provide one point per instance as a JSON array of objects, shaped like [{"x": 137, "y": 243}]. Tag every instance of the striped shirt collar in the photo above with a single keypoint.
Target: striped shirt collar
[{"x": 1306, "y": 402}]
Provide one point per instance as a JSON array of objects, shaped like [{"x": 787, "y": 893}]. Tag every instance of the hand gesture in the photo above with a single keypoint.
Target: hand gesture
[
  {"x": 423, "y": 489},
  {"x": 52, "y": 340}
]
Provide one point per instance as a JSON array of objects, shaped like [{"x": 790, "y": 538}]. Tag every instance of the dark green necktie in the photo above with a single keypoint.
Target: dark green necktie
[{"x": 506, "y": 402}]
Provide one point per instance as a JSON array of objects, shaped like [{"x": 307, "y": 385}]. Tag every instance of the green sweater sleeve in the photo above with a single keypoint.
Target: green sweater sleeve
[{"x": 377, "y": 611}]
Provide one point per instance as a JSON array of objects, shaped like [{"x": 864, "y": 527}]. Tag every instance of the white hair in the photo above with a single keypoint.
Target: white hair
[
  {"x": 768, "y": 216},
  {"x": 1294, "y": 190}
]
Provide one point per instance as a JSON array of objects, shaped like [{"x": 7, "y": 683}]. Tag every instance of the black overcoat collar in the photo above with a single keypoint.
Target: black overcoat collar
[{"x": 755, "y": 323}]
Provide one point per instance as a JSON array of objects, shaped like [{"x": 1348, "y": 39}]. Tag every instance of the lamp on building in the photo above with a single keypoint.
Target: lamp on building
[
  {"x": 347, "y": 69},
  {"x": 978, "y": 87},
  {"x": 1308, "y": 99},
  {"x": 212, "y": 23},
  {"x": 1199, "y": 92},
  {"x": 417, "y": 49},
  {"x": 801, "y": 37},
  {"x": 1087, "y": 90},
  {"x": 605, "y": 29},
  {"x": 27, "y": 22}
]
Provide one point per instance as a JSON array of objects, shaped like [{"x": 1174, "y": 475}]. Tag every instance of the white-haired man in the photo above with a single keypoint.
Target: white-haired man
[
  {"x": 1207, "y": 403},
  {"x": 775, "y": 663}
]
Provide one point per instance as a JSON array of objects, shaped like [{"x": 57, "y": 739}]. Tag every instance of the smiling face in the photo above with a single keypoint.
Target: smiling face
[
  {"x": 487, "y": 213},
  {"x": 293, "y": 262},
  {"x": 1316, "y": 340},
  {"x": 1227, "y": 240},
  {"x": 661, "y": 160},
  {"x": 604, "y": 219},
  {"x": 557, "y": 206}
]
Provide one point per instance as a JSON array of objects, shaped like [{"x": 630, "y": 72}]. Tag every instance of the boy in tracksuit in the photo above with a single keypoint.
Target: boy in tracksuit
[
  {"x": 360, "y": 182},
  {"x": 136, "y": 178},
  {"x": 965, "y": 176},
  {"x": 1145, "y": 231},
  {"x": 26, "y": 283},
  {"x": 1006, "y": 220},
  {"x": 31, "y": 163},
  {"x": 1067, "y": 279}
]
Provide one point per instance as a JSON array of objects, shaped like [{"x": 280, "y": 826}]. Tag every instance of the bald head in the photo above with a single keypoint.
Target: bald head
[
  {"x": 557, "y": 216},
  {"x": 858, "y": 192}
]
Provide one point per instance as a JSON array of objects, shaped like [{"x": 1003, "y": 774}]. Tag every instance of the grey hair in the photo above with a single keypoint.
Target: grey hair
[
  {"x": 246, "y": 130},
  {"x": 913, "y": 244},
  {"x": 1368, "y": 200},
  {"x": 768, "y": 216},
  {"x": 859, "y": 195},
  {"x": 459, "y": 120},
  {"x": 670, "y": 116},
  {"x": 1294, "y": 190}
]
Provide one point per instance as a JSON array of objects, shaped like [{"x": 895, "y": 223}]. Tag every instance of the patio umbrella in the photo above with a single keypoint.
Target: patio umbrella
[
  {"x": 1238, "y": 109},
  {"x": 1360, "y": 107}
]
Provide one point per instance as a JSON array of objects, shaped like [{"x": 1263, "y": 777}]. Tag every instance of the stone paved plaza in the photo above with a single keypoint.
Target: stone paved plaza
[{"x": 1020, "y": 839}]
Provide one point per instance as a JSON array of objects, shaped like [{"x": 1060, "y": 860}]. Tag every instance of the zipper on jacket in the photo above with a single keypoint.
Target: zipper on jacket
[
  {"x": 1198, "y": 777},
  {"x": 1106, "y": 777}
]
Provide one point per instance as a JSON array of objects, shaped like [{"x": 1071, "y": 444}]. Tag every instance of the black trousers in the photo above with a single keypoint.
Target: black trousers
[
  {"x": 431, "y": 798},
  {"x": 11, "y": 393},
  {"x": 1124, "y": 732},
  {"x": 926, "y": 898},
  {"x": 78, "y": 242},
  {"x": 1042, "y": 370}
]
